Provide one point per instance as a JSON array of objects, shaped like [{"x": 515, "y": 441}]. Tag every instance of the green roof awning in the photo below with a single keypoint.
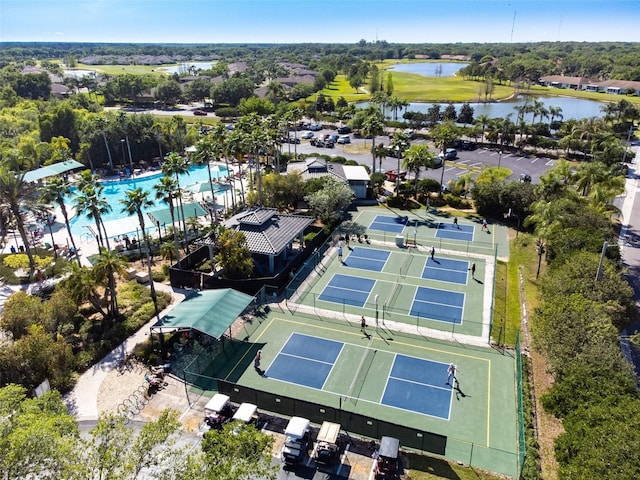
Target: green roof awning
[
  {"x": 163, "y": 216},
  {"x": 208, "y": 311},
  {"x": 51, "y": 170}
]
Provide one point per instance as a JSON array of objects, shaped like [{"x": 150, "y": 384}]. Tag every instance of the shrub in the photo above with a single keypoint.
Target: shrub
[
  {"x": 457, "y": 202},
  {"x": 21, "y": 260},
  {"x": 227, "y": 112}
]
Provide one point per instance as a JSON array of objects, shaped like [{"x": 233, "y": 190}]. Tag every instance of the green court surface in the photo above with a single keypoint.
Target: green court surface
[
  {"x": 422, "y": 227},
  {"x": 396, "y": 287},
  {"x": 400, "y": 281},
  {"x": 480, "y": 424},
  {"x": 413, "y": 303}
]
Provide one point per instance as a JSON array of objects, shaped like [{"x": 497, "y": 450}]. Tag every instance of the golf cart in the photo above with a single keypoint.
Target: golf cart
[
  {"x": 217, "y": 411},
  {"x": 327, "y": 448},
  {"x": 296, "y": 440},
  {"x": 386, "y": 467},
  {"x": 246, "y": 413}
]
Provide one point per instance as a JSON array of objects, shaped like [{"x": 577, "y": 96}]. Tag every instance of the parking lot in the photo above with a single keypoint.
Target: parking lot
[{"x": 359, "y": 150}]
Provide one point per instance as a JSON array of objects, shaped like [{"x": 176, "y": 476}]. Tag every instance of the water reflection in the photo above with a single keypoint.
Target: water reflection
[
  {"x": 429, "y": 69},
  {"x": 572, "y": 108}
]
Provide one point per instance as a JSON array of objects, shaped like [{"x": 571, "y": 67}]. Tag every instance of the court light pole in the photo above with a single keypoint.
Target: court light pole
[
  {"x": 124, "y": 158},
  {"x": 499, "y": 158},
  {"x": 398, "y": 155}
]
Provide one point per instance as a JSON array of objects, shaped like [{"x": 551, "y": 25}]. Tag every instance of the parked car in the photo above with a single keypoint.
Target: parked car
[
  {"x": 448, "y": 154},
  {"x": 465, "y": 144},
  {"x": 392, "y": 175},
  {"x": 316, "y": 127},
  {"x": 334, "y": 137},
  {"x": 200, "y": 113},
  {"x": 344, "y": 139},
  {"x": 307, "y": 135},
  {"x": 411, "y": 134},
  {"x": 344, "y": 129}
]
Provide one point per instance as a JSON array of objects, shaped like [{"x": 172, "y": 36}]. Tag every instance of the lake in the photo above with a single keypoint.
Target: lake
[
  {"x": 184, "y": 67},
  {"x": 572, "y": 108},
  {"x": 429, "y": 69}
]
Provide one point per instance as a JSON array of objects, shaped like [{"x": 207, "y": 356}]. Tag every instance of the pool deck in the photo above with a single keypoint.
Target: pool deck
[{"x": 86, "y": 242}]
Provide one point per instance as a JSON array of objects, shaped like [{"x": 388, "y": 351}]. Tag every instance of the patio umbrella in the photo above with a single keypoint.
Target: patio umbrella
[{"x": 200, "y": 187}]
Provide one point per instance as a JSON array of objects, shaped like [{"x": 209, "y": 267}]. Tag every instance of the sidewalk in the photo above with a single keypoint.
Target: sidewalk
[{"x": 82, "y": 400}]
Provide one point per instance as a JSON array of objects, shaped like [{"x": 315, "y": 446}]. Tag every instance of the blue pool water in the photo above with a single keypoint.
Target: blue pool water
[{"x": 114, "y": 191}]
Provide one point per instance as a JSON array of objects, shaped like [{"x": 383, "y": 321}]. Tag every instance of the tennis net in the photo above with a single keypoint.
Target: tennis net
[{"x": 361, "y": 373}]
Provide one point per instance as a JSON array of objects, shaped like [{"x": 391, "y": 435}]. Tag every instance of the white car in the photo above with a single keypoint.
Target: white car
[
  {"x": 449, "y": 154},
  {"x": 344, "y": 139}
]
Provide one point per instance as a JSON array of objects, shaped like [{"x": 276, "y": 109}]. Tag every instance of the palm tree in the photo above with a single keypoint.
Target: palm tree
[
  {"x": 14, "y": 195},
  {"x": 219, "y": 136},
  {"x": 174, "y": 164},
  {"x": 589, "y": 174},
  {"x": 101, "y": 126},
  {"x": 206, "y": 150},
  {"x": 443, "y": 136},
  {"x": 415, "y": 158},
  {"x": 482, "y": 121},
  {"x": 105, "y": 271},
  {"x": 167, "y": 190},
  {"x": 380, "y": 152},
  {"x": 55, "y": 189},
  {"x": 81, "y": 285},
  {"x": 545, "y": 219},
  {"x": 554, "y": 112},
  {"x": 135, "y": 200},
  {"x": 89, "y": 201},
  {"x": 371, "y": 127}
]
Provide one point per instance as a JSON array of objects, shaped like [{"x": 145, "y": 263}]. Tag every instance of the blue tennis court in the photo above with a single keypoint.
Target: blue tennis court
[
  {"x": 367, "y": 259},
  {"x": 389, "y": 224},
  {"x": 455, "y": 232},
  {"x": 420, "y": 386},
  {"x": 443, "y": 305},
  {"x": 348, "y": 290},
  {"x": 305, "y": 360},
  {"x": 446, "y": 270},
  {"x": 413, "y": 383}
]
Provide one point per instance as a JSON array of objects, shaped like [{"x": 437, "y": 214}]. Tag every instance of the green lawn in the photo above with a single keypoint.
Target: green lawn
[{"x": 340, "y": 88}]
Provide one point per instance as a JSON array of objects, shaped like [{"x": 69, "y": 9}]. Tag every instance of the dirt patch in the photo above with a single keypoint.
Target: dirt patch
[{"x": 549, "y": 427}]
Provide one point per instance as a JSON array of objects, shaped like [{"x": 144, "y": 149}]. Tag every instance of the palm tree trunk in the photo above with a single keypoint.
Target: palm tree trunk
[
  {"x": 175, "y": 232},
  {"x": 149, "y": 271},
  {"x": 25, "y": 238},
  {"x": 63, "y": 209},
  {"x": 106, "y": 144}
]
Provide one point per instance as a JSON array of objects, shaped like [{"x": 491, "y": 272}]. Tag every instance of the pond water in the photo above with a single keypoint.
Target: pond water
[
  {"x": 572, "y": 108},
  {"x": 79, "y": 73},
  {"x": 429, "y": 69},
  {"x": 184, "y": 67}
]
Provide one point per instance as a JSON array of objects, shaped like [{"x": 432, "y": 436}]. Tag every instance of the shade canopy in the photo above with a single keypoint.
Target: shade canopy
[
  {"x": 201, "y": 187},
  {"x": 163, "y": 215},
  {"x": 51, "y": 170},
  {"x": 209, "y": 311}
]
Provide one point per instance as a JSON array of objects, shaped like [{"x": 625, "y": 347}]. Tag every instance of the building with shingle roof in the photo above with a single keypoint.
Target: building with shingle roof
[{"x": 270, "y": 235}]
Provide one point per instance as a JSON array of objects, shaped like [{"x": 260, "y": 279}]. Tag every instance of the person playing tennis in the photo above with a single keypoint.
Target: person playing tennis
[{"x": 451, "y": 374}]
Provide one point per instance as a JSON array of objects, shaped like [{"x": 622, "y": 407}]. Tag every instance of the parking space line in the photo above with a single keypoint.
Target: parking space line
[{"x": 475, "y": 164}]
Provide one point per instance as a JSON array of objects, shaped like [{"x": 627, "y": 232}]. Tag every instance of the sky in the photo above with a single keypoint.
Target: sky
[{"x": 318, "y": 21}]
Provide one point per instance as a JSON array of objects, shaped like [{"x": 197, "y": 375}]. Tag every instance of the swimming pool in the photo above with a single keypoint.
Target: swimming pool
[{"x": 114, "y": 191}]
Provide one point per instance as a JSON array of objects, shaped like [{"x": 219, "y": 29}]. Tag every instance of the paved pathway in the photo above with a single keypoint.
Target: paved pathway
[{"x": 82, "y": 400}]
